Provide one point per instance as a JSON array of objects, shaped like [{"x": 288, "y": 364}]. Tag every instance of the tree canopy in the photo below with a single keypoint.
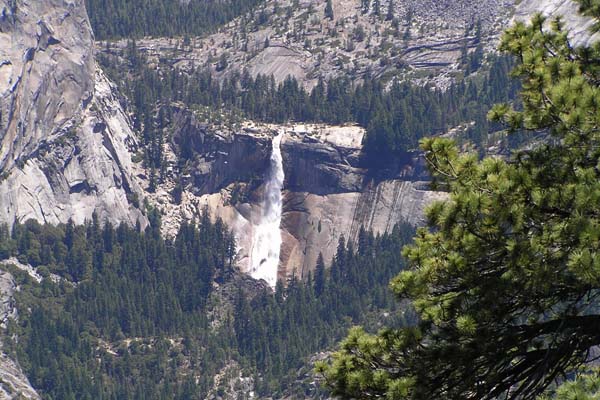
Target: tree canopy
[
  {"x": 506, "y": 276},
  {"x": 112, "y": 19},
  {"x": 394, "y": 117},
  {"x": 123, "y": 313}
]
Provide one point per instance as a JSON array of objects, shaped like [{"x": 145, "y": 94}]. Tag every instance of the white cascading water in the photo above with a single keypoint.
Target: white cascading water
[{"x": 266, "y": 240}]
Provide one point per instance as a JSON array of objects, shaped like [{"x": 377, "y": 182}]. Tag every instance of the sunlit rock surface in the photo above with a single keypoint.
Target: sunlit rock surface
[
  {"x": 65, "y": 139},
  {"x": 577, "y": 25},
  {"x": 327, "y": 193}
]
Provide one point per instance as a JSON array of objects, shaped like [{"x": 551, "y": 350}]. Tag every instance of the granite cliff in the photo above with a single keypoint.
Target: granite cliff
[
  {"x": 66, "y": 140},
  {"x": 328, "y": 192}
]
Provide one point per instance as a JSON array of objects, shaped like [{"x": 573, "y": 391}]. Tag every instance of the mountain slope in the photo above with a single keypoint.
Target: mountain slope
[
  {"x": 65, "y": 138},
  {"x": 385, "y": 39}
]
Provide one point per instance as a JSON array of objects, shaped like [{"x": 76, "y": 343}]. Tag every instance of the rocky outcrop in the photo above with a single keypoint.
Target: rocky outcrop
[
  {"x": 219, "y": 157},
  {"x": 13, "y": 382},
  {"x": 66, "y": 141},
  {"x": 420, "y": 40},
  {"x": 578, "y": 26},
  {"x": 328, "y": 192}
]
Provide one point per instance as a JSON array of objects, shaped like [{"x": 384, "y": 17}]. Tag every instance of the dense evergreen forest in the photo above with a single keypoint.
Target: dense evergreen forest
[
  {"x": 395, "y": 117},
  {"x": 129, "y": 316},
  {"x": 112, "y": 19}
]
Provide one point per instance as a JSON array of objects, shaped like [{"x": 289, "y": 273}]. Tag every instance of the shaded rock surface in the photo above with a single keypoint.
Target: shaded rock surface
[{"x": 219, "y": 157}]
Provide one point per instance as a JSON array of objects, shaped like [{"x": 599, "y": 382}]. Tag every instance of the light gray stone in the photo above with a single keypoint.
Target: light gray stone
[
  {"x": 66, "y": 140},
  {"x": 577, "y": 25},
  {"x": 13, "y": 382}
]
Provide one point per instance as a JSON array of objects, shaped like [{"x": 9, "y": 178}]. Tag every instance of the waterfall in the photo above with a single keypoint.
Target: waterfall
[{"x": 266, "y": 240}]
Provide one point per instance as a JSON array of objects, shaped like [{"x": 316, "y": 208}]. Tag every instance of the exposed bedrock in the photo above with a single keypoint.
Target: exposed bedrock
[
  {"x": 66, "y": 141},
  {"x": 328, "y": 191},
  {"x": 218, "y": 158}
]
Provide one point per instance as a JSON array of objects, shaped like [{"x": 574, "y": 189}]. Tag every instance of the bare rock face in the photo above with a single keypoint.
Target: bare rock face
[
  {"x": 46, "y": 74},
  {"x": 578, "y": 26},
  {"x": 65, "y": 138},
  {"x": 13, "y": 382},
  {"x": 328, "y": 192}
]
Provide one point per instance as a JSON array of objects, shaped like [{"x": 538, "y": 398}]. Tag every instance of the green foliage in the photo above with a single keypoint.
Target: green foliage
[
  {"x": 505, "y": 279},
  {"x": 113, "y": 19},
  {"x": 395, "y": 119},
  {"x": 129, "y": 284},
  {"x": 585, "y": 387},
  {"x": 135, "y": 323}
]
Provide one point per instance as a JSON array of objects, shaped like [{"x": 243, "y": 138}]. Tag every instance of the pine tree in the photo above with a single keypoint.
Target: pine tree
[
  {"x": 390, "y": 11},
  {"x": 329, "y": 10},
  {"x": 377, "y": 8},
  {"x": 506, "y": 278},
  {"x": 320, "y": 275}
]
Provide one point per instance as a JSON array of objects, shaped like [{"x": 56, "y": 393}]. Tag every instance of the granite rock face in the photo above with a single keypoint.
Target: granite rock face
[
  {"x": 66, "y": 141},
  {"x": 47, "y": 72},
  {"x": 578, "y": 26},
  {"x": 218, "y": 157},
  {"x": 13, "y": 382},
  {"x": 328, "y": 192}
]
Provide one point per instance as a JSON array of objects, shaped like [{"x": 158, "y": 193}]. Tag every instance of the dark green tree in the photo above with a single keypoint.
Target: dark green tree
[
  {"x": 320, "y": 275},
  {"x": 377, "y": 8},
  {"x": 390, "y": 11},
  {"x": 329, "y": 10},
  {"x": 506, "y": 278}
]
